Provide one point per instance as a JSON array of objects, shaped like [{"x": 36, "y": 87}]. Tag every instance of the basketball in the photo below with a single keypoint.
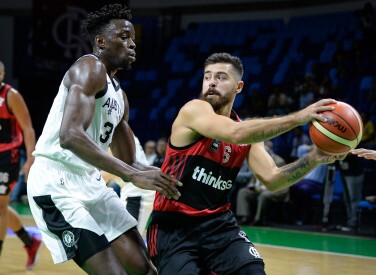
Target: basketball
[{"x": 341, "y": 132}]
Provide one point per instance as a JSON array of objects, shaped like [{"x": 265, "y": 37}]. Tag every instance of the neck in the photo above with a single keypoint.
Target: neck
[{"x": 224, "y": 111}]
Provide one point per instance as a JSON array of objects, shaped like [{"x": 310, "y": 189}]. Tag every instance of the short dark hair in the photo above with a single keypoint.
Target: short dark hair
[
  {"x": 97, "y": 21},
  {"x": 227, "y": 59}
]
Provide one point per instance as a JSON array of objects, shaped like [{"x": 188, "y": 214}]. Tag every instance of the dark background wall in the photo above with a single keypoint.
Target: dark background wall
[{"x": 41, "y": 38}]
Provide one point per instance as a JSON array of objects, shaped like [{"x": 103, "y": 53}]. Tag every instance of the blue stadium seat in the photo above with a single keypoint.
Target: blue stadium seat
[
  {"x": 281, "y": 72},
  {"x": 333, "y": 76},
  {"x": 328, "y": 51},
  {"x": 309, "y": 66},
  {"x": 155, "y": 93},
  {"x": 365, "y": 206},
  {"x": 337, "y": 188},
  {"x": 132, "y": 113},
  {"x": 170, "y": 113},
  {"x": 152, "y": 75},
  {"x": 253, "y": 86},
  {"x": 173, "y": 49},
  {"x": 153, "y": 115},
  {"x": 366, "y": 83},
  {"x": 238, "y": 101}
]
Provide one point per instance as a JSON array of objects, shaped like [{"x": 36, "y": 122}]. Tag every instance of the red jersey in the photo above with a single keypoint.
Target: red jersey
[
  {"x": 207, "y": 168},
  {"x": 10, "y": 131}
]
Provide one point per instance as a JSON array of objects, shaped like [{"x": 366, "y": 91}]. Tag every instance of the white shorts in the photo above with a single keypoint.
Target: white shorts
[{"x": 65, "y": 202}]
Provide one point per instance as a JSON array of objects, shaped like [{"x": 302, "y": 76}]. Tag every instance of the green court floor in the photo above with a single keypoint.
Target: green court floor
[{"x": 350, "y": 245}]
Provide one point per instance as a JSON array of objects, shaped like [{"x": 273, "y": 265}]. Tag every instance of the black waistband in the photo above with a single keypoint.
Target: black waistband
[{"x": 174, "y": 218}]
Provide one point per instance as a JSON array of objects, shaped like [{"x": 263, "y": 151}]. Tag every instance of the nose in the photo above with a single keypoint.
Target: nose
[
  {"x": 132, "y": 44},
  {"x": 212, "y": 83}
]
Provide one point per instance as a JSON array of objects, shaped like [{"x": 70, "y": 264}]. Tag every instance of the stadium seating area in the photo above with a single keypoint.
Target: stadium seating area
[
  {"x": 332, "y": 47},
  {"x": 333, "y": 54}
]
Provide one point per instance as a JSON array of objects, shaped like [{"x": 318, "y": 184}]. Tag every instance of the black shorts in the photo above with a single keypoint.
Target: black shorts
[
  {"x": 9, "y": 170},
  {"x": 215, "y": 245}
]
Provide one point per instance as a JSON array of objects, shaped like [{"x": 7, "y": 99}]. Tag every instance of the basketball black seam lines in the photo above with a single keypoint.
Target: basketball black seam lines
[{"x": 352, "y": 129}]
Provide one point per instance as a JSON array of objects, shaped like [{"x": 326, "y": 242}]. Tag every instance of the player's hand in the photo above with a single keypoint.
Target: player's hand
[
  {"x": 364, "y": 153},
  {"x": 158, "y": 181},
  {"x": 313, "y": 111},
  {"x": 323, "y": 158},
  {"x": 26, "y": 168}
]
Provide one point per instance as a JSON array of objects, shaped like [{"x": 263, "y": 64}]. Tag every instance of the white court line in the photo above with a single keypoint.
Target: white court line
[{"x": 314, "y": 251}]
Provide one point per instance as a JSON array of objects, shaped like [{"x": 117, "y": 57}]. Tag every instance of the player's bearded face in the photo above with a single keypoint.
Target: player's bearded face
[{"x": 215, "y": 98}]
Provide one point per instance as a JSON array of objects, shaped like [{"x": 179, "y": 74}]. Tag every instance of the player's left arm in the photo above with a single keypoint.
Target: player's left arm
[
  {"x": 365, "y": 153},
  {"x": 19, "y": 108},
  {"x": 123, "y": 145},
  {"x": 278, "y": 178}
]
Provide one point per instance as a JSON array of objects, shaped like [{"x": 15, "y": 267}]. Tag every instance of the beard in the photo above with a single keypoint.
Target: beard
[
  {"x": 125, "y": 65},
  {"x": 217, "y": 102},
  {"x": 120, "y": 63}
]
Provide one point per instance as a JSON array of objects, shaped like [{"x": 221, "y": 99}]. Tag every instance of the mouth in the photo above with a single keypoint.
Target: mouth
[
  {"x": 132, "y": 56},
  {"x": 212, "y": 93}
]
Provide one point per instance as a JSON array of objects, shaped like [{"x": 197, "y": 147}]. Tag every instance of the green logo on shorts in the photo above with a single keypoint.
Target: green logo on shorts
[{"x": 68, "y": 238}]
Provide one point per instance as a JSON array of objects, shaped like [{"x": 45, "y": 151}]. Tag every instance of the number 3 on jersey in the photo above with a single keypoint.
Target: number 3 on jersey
[{"x": 108, "y": 128}]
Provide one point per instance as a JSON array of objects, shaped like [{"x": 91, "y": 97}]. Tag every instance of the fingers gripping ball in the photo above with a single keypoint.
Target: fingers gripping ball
[{"x": 341, "y": 133}]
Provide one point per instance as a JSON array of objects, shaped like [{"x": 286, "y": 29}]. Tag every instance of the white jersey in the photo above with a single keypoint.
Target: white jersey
[
  {"x": 109, "y": 110},
  {"x": 140, "y": 154}
]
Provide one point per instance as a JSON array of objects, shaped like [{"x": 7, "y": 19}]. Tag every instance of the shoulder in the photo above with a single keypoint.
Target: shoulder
[
  {"x": 13, "y": 94},
  {"x": 196, "y": 106},
  {"x": 196, "y": 102},
  {"x": 5, "y": 88},
  {"x": 15, "y": 101},
  {"x": 90, "y": 65},
  {"x": 88, "y": 72}
]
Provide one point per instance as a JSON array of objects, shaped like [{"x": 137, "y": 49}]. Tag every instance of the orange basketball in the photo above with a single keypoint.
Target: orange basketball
[{"x": 341, "y": 133}]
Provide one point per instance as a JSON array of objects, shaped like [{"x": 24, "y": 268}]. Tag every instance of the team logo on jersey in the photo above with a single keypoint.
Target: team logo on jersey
[
  {"x": 112, "y": 105},
  {"x": 215, "y": 145},
  {"x": 3, "y": 189},
  {"x": 253, "y": 251},
  {"x": 1, "y": 101},
  {"x": 69, "y": 239},
  {"x": 226, "y": 154},
  {"x": 200, "y": 175}
]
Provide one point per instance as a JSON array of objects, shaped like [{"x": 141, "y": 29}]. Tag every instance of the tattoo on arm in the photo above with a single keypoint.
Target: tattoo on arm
[
  {"x": 296, "y": 170},
  {"x": 268, "y": 134}
]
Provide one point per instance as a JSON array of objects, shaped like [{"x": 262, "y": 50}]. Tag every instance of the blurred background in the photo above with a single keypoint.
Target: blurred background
[{"x": 283, "y": 44}]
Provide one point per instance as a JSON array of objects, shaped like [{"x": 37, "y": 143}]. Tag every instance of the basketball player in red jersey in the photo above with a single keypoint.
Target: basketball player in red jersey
[
  {"x": 198, "y": 233},
  {"x": 15, "y": 128}
]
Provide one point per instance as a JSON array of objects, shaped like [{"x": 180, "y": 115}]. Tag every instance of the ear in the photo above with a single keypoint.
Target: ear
[
  {"x": 240, "y": 86},
  {"x": 100, "y": 42}
]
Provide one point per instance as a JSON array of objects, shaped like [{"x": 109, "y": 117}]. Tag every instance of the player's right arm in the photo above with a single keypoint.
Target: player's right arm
[{"x": 197, "y": 118}]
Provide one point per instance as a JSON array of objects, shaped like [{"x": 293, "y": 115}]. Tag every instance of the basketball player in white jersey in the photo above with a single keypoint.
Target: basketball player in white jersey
[{"x": 79, "y": 217}]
